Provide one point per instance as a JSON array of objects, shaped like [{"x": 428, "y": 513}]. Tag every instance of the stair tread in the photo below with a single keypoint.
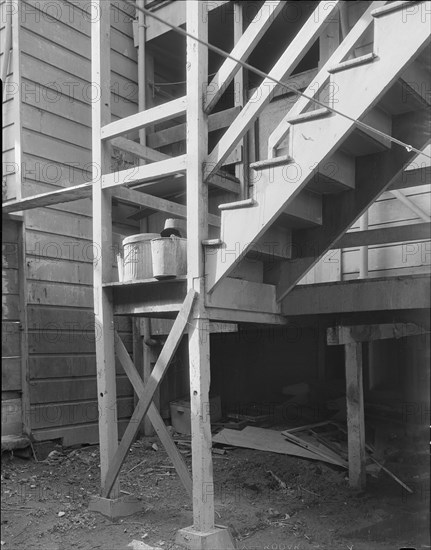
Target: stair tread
[
  {"x": 246, "y": 203},
  {"x": 309, "y": 115},
  {"x": 276, "y": 161},
  {"x": 350, "y": 63}
]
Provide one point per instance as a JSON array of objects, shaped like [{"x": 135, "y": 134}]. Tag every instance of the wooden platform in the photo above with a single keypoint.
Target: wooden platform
[{"x": 387, "y": 293}]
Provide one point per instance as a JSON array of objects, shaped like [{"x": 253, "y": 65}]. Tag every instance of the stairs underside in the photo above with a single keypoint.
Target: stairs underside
[{"x": 331, "y": 159}]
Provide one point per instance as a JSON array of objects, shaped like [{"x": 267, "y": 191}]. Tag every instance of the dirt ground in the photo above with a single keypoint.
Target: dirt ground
[{"x": 44, "y": 504}]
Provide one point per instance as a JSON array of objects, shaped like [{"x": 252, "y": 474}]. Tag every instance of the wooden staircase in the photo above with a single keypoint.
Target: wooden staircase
[{"x": 316, "y": 155}]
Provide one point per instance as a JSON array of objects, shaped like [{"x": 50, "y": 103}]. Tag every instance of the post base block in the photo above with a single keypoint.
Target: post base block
[
  {"x": 218, "y": 538},
  {"x": 115, "y": 507}
]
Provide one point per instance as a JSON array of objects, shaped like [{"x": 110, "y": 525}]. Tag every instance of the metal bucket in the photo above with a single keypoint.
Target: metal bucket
[
  {"x": 137, "y": 262},
  {"x": 169, "y": 256}
]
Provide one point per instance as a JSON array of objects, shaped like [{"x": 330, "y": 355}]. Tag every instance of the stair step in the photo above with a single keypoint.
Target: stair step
[
  {"x": 393, "y": 6},
  {"x": 365, "y": 142},
  {"x": 334, "y": 175},
  {"x": 247, "y": 203},
  {"x": 304, "y": 211},
  {"x": 355, "y": 62},
  {"x": 309, "y": 115},
  {"x": 269, "y": 163},
  {"x": 212, "y": 242}
]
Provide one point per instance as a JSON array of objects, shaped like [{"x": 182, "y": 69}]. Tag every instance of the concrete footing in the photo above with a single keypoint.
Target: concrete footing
[
  {"x": 218, "y": 538},
  {"x": 115, "y": 507}
]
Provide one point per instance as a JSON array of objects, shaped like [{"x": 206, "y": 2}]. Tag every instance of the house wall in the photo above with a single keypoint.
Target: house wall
[
  {"x": 10, "y": 123},
  {"x": 11, "y": 328},
  {"x": 56, "y": 143}
]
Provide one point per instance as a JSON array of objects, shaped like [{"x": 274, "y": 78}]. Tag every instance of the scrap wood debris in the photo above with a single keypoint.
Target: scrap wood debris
[{"x": 309, "y": 444}]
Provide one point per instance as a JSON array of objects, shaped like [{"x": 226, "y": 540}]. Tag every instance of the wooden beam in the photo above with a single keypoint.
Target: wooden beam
[
  {"x": 145, "y": 173},
  {"x": 216, "y": 121},
  {"x": 358, "y": 30},
  {"x": 244, "y": 296},
  {"x": 175, "y": 13},
  {"x": 68, "y": 194},
  {"x": 238, "y": 316},
  {"x": 143, "y": 119},
  {"x": 282, "y": 69},
  {"x": 342, "y": 335},
  {"x": 140, "y": 151},
  {"x": 153, "y": 415},
  {"x": 241, "y": 51},
  {"x": 144, "y": 402},
  {"x": 384, "y": 235},
  {"x": 129, "y": 196},
  {"x": 411, "y": 205},
  {"x": 390, "y": 293},
  {"x": 102, "y": 240},
  {"x": 150, "y": 298},
  {"x": 355, "y": 416}
]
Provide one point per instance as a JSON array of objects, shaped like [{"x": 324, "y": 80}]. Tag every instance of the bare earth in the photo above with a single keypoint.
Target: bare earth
[{"x": 44, "y": 504}]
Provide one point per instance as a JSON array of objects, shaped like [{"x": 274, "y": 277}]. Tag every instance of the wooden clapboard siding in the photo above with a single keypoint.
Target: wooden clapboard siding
[
  {"x": 64, "y": 366},
  {"x": 385, "y": 259},
  {"x": 78, "y": 412},
  {"x": 394, "y": 259},
  {"x": 8, "y": 123},
  {"x": 11, "y": 329},
  {"x": 56, "y": 140}
]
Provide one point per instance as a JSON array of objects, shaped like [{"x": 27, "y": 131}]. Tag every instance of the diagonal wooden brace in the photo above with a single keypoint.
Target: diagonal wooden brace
[
  {"x": 146, "y": 397},
  {"x": 154, "y": 415}
]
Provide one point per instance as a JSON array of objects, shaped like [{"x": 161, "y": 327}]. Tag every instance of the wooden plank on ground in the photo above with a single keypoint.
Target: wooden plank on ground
[
  {"x": 326, "y": 454},
  {"x": 262, "y": 439},
  {"x": 144, "y": 402}
]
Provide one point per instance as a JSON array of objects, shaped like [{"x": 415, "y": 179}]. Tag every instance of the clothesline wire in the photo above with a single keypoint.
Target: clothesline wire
[{"x": 264, "y": 75}]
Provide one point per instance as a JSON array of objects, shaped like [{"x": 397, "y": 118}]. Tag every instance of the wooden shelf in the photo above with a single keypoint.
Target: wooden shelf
[
  {"x": 140, "y": 282},
  {"x": 149, "y": 297}
]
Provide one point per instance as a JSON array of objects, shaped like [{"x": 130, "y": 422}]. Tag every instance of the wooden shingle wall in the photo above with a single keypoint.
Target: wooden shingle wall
[{"x": 56, "y": 139}]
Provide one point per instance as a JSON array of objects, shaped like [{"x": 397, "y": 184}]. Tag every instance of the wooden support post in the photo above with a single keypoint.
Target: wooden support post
[
  {"x": 102, "y": 238},
  {"x": 355, "y": 415},
  {"x": 154, "y": 415},
  {"x": 147, "y": 396},
  {"x": 203, "y": 533}
]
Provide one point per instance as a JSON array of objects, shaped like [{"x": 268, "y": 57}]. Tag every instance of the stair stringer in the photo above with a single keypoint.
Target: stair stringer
[{"x": 358, "y": 90}]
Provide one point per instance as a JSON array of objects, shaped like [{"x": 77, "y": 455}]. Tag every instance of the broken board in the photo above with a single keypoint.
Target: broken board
[{"x": 262, "y": 439}]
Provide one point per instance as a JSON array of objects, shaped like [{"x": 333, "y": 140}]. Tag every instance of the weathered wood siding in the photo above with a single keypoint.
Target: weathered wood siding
[
  {"x": 399, "y": 258},
  {"x": 11, "y": 329},
  {"x": 56, "y": 140},
  {"x": 9, "y": 105}
]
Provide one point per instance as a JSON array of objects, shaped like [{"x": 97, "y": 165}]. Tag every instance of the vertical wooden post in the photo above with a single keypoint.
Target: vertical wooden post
[
  {"x": 203, "y": 533},
  {"x": 102, "y": 238},
  {"x": 197, "y": 208},
  {"x": 355, "y": 415}
]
